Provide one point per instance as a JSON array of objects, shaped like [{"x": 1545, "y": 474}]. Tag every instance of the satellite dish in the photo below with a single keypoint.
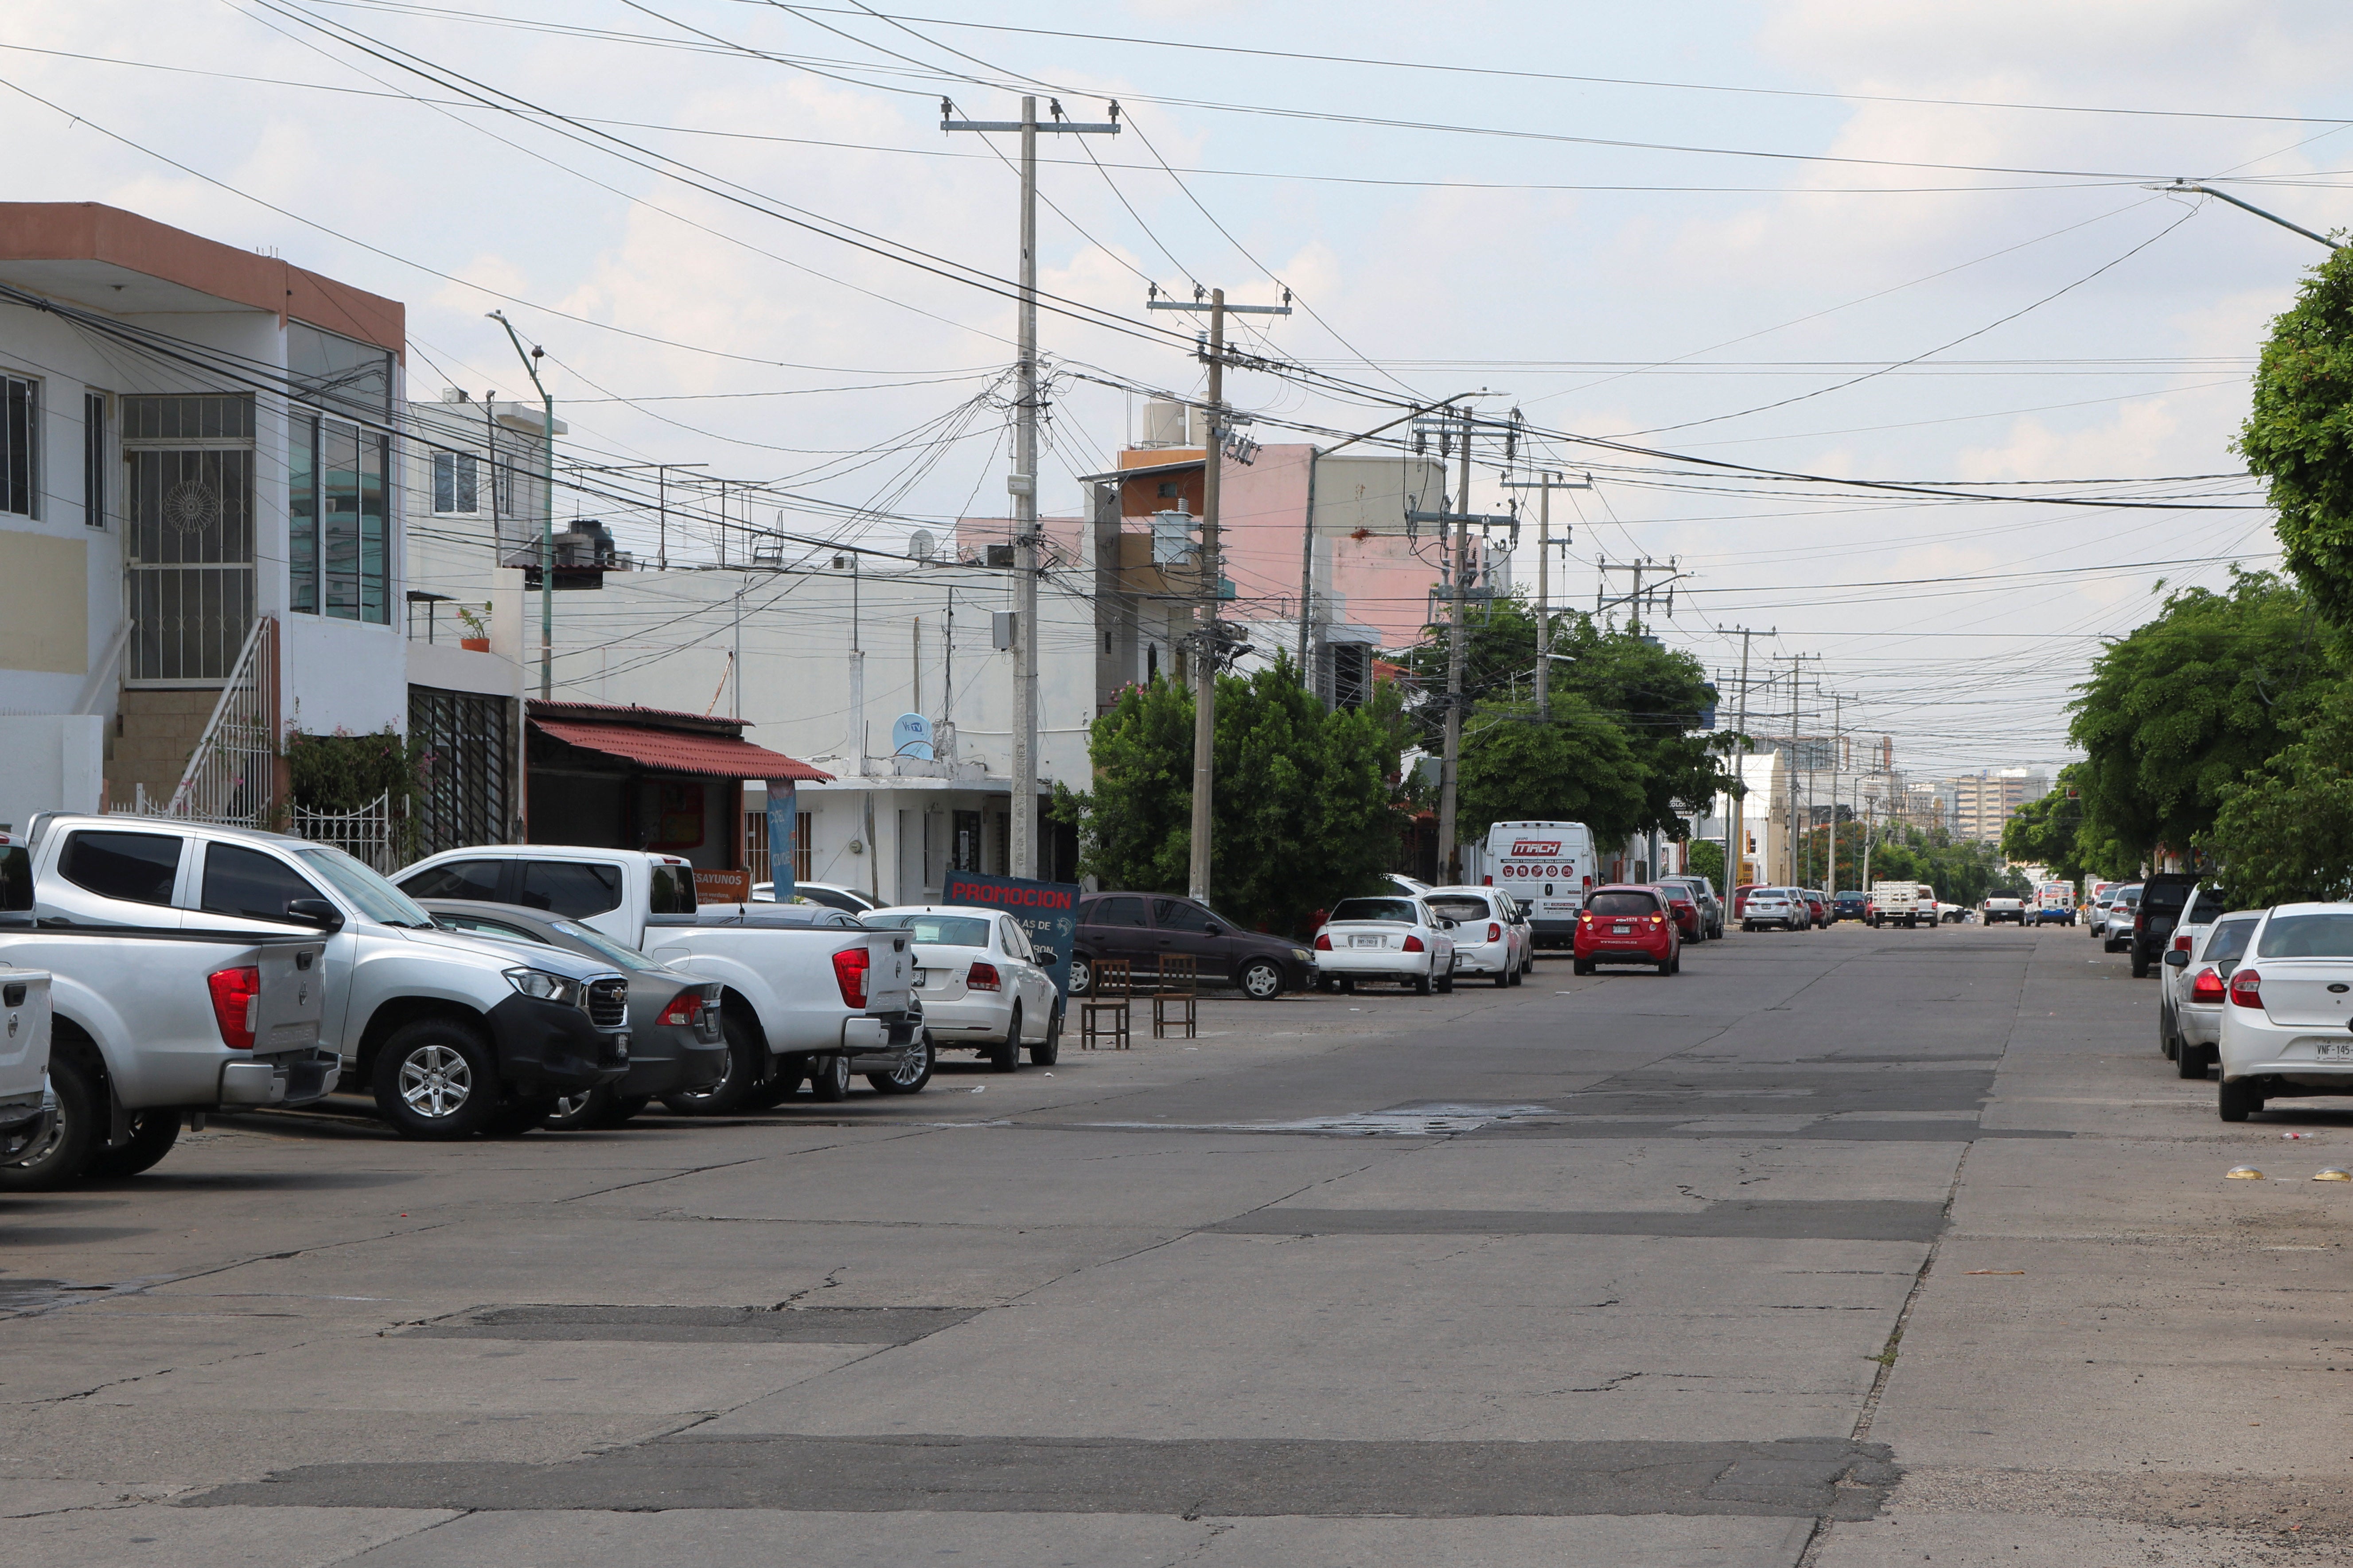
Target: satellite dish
[
  {"x": 911, "y": 736},
  {"x": 920, "y": 544}
]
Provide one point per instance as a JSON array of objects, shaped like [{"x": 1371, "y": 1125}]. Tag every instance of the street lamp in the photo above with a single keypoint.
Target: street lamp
[
  {"x": 546, "y": 512},
  {"x": 2193, "y": 188}
]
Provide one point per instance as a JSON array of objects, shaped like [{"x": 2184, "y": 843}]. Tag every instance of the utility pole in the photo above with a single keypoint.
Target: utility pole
[
  {"x": 1458, "y": 655},
  {"x": 1797, "y": 661},
  {"x": 1736, "y": 841},
  {"x": 547, "y": 510},
  {"x": 1641, "y": 598},
  {"x": 1207, "y": 644},
  {"x": 1022, "y": 483},
  {"x": 1546, "y": 481}
]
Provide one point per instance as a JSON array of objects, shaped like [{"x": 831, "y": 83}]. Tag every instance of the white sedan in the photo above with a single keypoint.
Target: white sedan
[
  {"x": 2288, "y": 1029},
  {"x": 2189, "y": 1007},
  {"x": 1397, "y": 939},
  {"x": 1491, "y": 936},
  {"x": 982, "y": 986}
]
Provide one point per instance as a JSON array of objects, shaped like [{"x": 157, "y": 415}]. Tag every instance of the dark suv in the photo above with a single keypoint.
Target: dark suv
[
  {"x": 2162, "y": 898},
  {"x": 1140, "y": 927}
]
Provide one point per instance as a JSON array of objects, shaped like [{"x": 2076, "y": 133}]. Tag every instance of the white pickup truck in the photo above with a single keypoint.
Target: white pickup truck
[
  {"x": 1902, "y": 904},
  {"x": 453, "y": 1035},
  {"x": 26, "y": 1106},
  {"x": 153, "y": 1016},
  {"x": 810, "y": 991}
]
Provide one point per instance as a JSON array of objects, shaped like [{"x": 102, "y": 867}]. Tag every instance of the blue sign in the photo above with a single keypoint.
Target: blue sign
[
  {"x": 1049, "y": 911},
  {"x": 911, "y": 736},
  {"x": 784, "y": 837}
]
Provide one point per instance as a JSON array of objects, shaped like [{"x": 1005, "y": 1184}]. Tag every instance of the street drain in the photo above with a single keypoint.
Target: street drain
[{"x": 700, "y": 1325}]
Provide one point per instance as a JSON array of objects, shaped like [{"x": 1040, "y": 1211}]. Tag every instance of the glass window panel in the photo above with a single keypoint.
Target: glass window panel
[
  {"x": 376, "y": 531},
  {"x": 139, "y": 868},
  {"x": 302, "y": 514},
  {"x": 241, "y": 881},
  {"x": 445, "y": 481},
  {"x": 573, "y": 889},
  {"x": 326, "y": 368},
  {"x": 339, "y": 518},
  {"x": 94, "y": 458},
  {"x": 20, "y": 454}
]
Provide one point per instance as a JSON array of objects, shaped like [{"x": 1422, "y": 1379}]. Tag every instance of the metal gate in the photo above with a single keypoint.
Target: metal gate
[
  {"x": 365, "y": 835},
  {"x": 190, "y": 503}
]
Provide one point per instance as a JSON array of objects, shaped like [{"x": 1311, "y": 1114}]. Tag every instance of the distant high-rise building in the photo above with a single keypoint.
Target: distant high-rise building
[{"x": 1979, "y": 805}]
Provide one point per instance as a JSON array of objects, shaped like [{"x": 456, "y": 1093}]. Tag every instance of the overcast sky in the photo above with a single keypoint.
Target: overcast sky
[{"x": 1864, "y": 241}]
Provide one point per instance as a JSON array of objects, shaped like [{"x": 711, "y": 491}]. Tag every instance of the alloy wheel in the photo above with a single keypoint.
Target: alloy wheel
[{"x": 436, "y": 1082}]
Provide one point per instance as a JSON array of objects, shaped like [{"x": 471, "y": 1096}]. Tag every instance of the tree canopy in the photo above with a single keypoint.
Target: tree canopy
[
  {"x": 1578, "y": 767},
  {"x": 2299, "y": 433}
]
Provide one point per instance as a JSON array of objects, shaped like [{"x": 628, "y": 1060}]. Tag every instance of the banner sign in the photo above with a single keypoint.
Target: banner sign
[
  {"x": 784, "y": 837},
  {"x": 1048, "y": 912},
  {"x": 722, "y": 887}
]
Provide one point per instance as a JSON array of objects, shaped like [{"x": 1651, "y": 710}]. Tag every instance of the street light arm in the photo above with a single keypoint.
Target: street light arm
[{"x": 2181, "y": 186}]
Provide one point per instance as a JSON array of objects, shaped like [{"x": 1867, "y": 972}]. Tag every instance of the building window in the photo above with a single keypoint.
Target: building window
[
  {"x": 1168, "y": 490},
  {"x": 339, "y": 532},
  {"x": 756, "y": 841},
  {"x": 453, "y": 482},
  {"x": 467, "y": 778},
  {"x": 94, "y": 458},
  {"x": 20, "y": 438}
]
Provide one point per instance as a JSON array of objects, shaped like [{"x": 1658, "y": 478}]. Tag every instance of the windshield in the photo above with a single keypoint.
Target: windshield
[
  {"x": 1461, "y": 909},
  {"x": 606, "y": 947},
  {"x": 2229, "y": 941},
  {"x": 1400, "y": 912},
  {"x": 376, "y": 899},
  {"x": 940, "y": 931},
  {"x": 1623, "y": 904},
  {"x": 2307, "y": 936}
]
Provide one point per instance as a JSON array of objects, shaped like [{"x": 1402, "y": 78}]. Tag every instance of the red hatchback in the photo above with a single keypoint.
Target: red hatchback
[
  {"x": 1626, "y": 923},
  {"x": 1685, "y": 907}
]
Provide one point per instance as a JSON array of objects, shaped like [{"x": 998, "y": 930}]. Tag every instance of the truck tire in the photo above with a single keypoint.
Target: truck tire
[
  {"x": 436, "y": 1080},
  {"x": 153, "y": 1133},
  {"x": 82, "y": 1113},
  {"x": 910, "y": 1077},
  {"x": 786, "y": 1076},
  {"x": 1006, "y": 1054},
  {"x": 1049, "y": 1051},
  {"x": 829, "y": 1079},
  {"x": 735, "y": 1086},
  {"x": 2139, "y": 965},
  {"x": 517, "y": 1115},
  {"x": 577, "y": 1112}
]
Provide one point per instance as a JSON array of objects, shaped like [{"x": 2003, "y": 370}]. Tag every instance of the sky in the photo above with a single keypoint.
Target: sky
[{"x": 1716, "y": 255}]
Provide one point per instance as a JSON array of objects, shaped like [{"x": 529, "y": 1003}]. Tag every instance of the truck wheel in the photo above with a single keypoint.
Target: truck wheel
[
  {"x": 435, "y": 1078},
  {"x": 733, "y": 1091},
  {"x": 1006, "y": 1054},
  {"x": 786, "y": 1076},
  {"x": 153, "y": 1133},
  {"x": 60, "y": 1157},
  {"x": 2235, "y": 1097},
  {"x": 913, "y": 1073},
  {"x": 518, "y": 1115},
  {"x": 2139, "y": 965},
  {"x": 576, "y": 1112},
  {"x": 829, "y": 1079},
  {"x": 1049, "y": 1051}
]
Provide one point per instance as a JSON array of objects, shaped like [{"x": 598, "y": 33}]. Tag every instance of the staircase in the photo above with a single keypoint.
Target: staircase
[
  {"x": 155, "y": 733},
  {"x": 208, "y": 753}
]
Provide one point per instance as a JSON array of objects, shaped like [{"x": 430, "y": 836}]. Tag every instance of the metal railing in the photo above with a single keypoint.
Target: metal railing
[
  {"x": 365, "y": 835},
  {"x": 232, "y": 775}
]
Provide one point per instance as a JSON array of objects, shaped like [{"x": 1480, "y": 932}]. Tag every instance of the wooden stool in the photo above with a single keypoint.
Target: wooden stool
[
  {"x": 1114, "y": 984},
  {"x": 1177, "y": 993}
]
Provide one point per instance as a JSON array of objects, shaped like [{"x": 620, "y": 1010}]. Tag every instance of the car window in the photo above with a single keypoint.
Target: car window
[
  {"x": 2307, "y": 936},
  {"x": 242, "y": 881},
  {"x": 363, "y": 887},
  {"x": 139, "y": 868},
  {"x": 942, "y": 931},
  {"x": 2230, "y": 941},
  {"x": 827, "y": 897},
  {"x": 1116, "y": 912},
  {"x": 1009, "y": 934},
  {"x": 1399, "y": 911},
  {"x": 1459, "y": 907},
  {"x": 2128, "y": 898},
  {"x": 575, "y": 888},
  {"x": 606, "y": 948},
  {"x": 476, "y": 881},
  {"x": 2208, "y": 906},
  {"x": 1174, "y": 914},
  {"x": 672, "y": 891},
  {"x": 1624, "y": 904},
  {"x": 2166, "y": 896},
  {"x": 478, "y": 926}
]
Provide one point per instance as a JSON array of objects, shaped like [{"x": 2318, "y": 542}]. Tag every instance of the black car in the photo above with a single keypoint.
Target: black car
[
  {"x": 1140, "y": 927},
  {"x": 1855, "y": 904},
  {"x": 2162, "y": 900}
]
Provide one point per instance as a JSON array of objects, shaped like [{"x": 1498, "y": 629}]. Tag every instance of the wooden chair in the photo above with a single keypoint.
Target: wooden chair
[
  {"x": 1177, "y": 996},
  {"x": 1115, "y": 985}
]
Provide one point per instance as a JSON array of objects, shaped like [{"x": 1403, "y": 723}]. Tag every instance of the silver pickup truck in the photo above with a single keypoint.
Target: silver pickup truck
[
  {"x": 452, "y": 1034},
  {"x": 27, "y": 1108},
  {"x": 152, "y": 1018},
  {"x": 810, "y": 993}
]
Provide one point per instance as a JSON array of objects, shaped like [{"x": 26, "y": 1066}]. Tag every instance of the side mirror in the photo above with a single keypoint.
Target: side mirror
[
  {"x": 1046, "y": 956},
  {"x": 315, "y": 911},
  {"x": 1213, "y": 929},
  {"x": 2177, "y": 959}
]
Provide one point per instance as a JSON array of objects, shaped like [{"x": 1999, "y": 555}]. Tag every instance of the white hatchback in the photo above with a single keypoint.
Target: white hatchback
[
  {"x": 2189, "y": 1007},
  {"x": 1491, "y": 936},
  {"x": 1395, "y": 939},
  {"x": 981, "y": 983},
  {"x": 2288, "y": 1029}
]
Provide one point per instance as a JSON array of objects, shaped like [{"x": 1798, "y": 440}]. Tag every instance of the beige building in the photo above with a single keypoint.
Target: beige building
[{"x": 1978, "y": 806}]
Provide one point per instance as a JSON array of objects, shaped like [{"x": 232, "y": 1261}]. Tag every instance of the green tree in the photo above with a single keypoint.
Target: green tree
[
  {"x": 2299, "y": 433},
  {"x": 1577, "y": 768},
  {"x": 2285, "y": 834},
  {"x": 2184, "y": 707},
  {"x": 1707, "y": 860},
  {"x": 1661, "y": 697}
]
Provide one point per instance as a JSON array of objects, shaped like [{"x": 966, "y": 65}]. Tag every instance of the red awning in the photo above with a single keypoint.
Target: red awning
[{"x": 718, "y": 756}]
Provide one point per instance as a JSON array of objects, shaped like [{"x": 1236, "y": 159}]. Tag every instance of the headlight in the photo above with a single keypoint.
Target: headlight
[
  {"x": 1301, "y": 955},
  {"x": 546, "y": 986}
]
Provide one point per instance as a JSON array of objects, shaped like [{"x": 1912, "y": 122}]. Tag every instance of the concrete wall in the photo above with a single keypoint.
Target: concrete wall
[
  {"x": 342, "y": 676},
  {"x": 49, "y": 763}
]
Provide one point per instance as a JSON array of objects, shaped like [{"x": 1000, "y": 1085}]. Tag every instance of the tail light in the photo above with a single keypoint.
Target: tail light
[
  {"x": 237, "y": 992},
  {"x": 1658, "y": 920},
  {"x": 2246, "y": 989},
  {"x": 1494, "y": 932},
  {"x": 2181, "y": 944},
  {"x": 2208, "y": 986},
  {"x": 981, "y": 977},
  {"x": 1413, "y": 944},
  {"x": 850, "y": 973},
  {"x": 2140, "y": 923},
  {"x": 1323, "y": 941},
  {"x": 685, "y": 1009},
  {"x": 1486, "y": 882},
  {"x": 1588, "y": 884}
]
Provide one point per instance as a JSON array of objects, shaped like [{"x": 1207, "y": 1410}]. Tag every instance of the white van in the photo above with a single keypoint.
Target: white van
[{"x": 1549, "y": 868}]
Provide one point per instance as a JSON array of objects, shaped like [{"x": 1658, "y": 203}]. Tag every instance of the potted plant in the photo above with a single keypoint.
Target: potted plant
[{"x": 477, "y": 628}]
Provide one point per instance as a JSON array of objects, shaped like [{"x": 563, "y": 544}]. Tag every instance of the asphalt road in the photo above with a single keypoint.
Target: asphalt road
[{"x": 1850, "y": 1248}]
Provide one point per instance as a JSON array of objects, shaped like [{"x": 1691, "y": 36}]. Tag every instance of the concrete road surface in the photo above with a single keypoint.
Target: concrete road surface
[{"x": 1840, "y": 1248}]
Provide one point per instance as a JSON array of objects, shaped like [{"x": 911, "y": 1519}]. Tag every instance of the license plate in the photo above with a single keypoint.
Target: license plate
[
  {"x": 2336, "y": 1051},
  {"x": 1622, "y": 931},
  {"x": 1364, "y": 942}
]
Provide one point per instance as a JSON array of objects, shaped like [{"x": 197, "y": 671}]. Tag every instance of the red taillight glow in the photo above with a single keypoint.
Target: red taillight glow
[
  {"x": 1494, "y": 932},
  {"x": 1323, "y": 941},
  {"x": 2181, "y": 944},
  {"x": 684, "y": 1008},
  {"x": 236, "y": 994},
  {"x": 1413, "y": 944},
  {"x": 850, "y": 973},
  {"x": 1486, "y": 882},
  {"x": 2208, "y": 986},
  {"x": 981, "y": 977},
  {"x": 2247, "y": 988}
]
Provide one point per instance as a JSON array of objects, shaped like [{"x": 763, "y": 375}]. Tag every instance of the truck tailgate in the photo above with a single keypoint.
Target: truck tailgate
[{"x": 890, "y": 972}]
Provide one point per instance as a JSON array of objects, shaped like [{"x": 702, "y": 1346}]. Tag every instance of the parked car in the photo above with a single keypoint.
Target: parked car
[
  {"x": 1399, "y": 882},
  {"x": 1491, "y": 937},
  {"x": 1140, "y": 927},
  {"x": 1392, "y": 939},
  {"x": 2191, "y": 1001},
  {"x": 984, "y": 987},
  {"x": 1548, "y": 866},
  {"x": 2001, "y": 909},
  {"x": 2115, "y": 927},
  {"x": 1711, "y": 907},
  {"x": 1818, "y": 907},
  {"x": 2286, "y": 1031},
  {"x": 1627, "y": 924},
  {"x": 2163, "y": 899},
  {"x": 1740, "y": 902},
  {"x": 2054, "y": 904},
  {"x": 810, "y": 993},
  {"x": 1898, "y": 904},
  {"x": 1852, "y": 904},
  {"x": 1682, "y": 905},
  {"x": 676, "y": 1043},
  {"x": 1780, "y": 908},
  {"x": 833, "y": 895}
]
